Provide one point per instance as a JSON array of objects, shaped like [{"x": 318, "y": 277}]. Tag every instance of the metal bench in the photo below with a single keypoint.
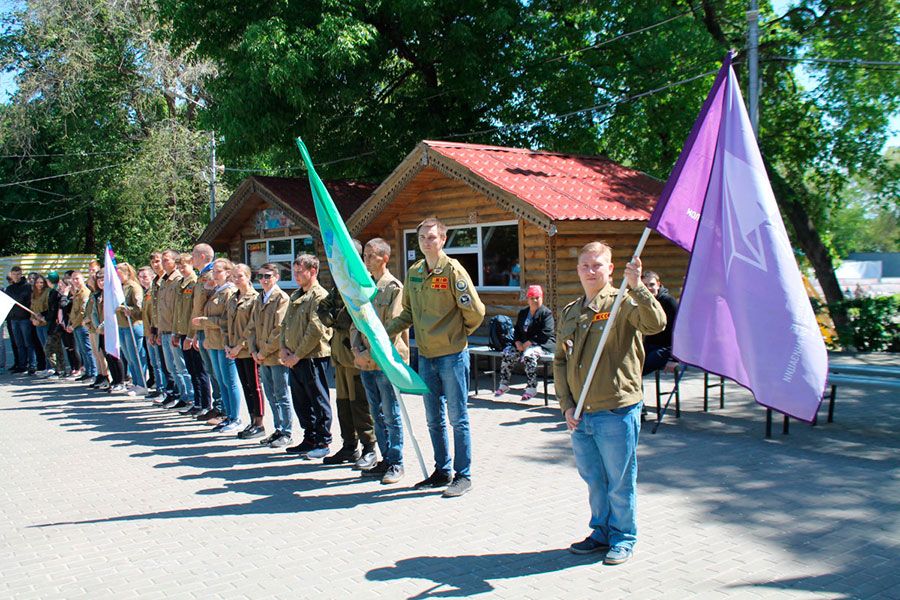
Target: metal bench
[
  {"x": 864, "y": 376},
  {"x": 545, "y": 362}
]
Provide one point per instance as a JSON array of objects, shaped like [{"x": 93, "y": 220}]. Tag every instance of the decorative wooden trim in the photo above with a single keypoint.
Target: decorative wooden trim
[
  {"x": 299, "y": 220},
  {"x": 550, "y": 265},
  {"x": 385, "y": 193}
]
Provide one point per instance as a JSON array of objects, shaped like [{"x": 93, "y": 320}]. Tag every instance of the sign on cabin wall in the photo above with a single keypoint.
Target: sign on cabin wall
[{"x": 272, "y": 218}]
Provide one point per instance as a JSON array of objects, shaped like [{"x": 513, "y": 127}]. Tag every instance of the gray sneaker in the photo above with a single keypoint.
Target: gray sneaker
[
  {"x": 617, "y": 555},
  {"x": 280, "y": 442},
  {"x": 393, "y": 474},
  {"x": 458, "y": 487},
  {"x": 320, "y": 452}
]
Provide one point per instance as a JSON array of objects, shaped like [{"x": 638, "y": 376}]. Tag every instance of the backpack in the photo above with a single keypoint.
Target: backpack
[{"x": 500, "y": 332}]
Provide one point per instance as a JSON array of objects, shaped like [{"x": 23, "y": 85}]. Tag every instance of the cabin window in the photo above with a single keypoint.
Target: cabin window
[
  {"x": 280, "y": 251},
  {"x": 488, "y": 251}
]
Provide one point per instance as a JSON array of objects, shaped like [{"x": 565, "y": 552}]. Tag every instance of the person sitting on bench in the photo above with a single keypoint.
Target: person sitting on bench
[
  {"x": 534, "y": 334},
  {"x": 658, "y": 347}
]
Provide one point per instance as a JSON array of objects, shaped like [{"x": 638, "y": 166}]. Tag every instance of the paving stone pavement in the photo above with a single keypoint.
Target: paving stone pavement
[{"x": 108, "y": 497}]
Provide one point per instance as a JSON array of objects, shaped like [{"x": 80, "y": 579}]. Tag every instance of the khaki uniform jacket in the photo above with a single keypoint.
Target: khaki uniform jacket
[
  {"x": 388, "y": 303},
  {"x": 334, "y": 314},
  {"x": 237, "y": 320},
  {"x": 303, "y": 333},
  {"x": 184, "y": 305},
  {"x": 617, "y": 380},
  {"x": 202, "y": 294},
  {"x": 79, "y": 315},
  {"x": 154, "y": 304},
  {"x": 134, "y": 299},
  {"x": 41, "y": 303},
  {"x": 441, "y": 304},
  {"x": 264, "y": 329},
  {"x": 215, "y": 311},
  {"x": 149, "y": 325},
  {"x": 94, "y": 316},
  {"x": 166, "y": 299}
]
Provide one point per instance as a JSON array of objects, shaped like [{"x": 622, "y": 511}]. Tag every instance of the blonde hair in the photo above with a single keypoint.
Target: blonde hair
[
  {"x": 601, "y": 248},
  {"x": 132, "y": 274},
  {"x": 224, "y": 261},
  {"x": 185, "y": 259}
]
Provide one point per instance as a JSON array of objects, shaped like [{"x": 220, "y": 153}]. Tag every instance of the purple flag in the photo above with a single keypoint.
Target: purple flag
[
  {"x": 681, "y": 202},
  {"x": 744, "y": 311}
]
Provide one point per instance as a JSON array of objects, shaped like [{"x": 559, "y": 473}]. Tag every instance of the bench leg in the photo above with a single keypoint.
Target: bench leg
[
  {"x": 721, "y": 392},
  {"x": 768, "y": 422},
  {"x": 831, "y": 404},
  {"x": 546, "y": 385},
  {"x": 705, "y": 392},
  {"x": 786, "y": 426},
  {"x": 677, "y": 396}
]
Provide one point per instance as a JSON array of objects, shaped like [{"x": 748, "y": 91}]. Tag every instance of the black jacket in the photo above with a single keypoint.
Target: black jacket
[
  {"x": 542, "y": 330},
  {"x": 663, "y": 339},
  {"x": 52, "y": 311},
  {"x": 21, "y": 293}
]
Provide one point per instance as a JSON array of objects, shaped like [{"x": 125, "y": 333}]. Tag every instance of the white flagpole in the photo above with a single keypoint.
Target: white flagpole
[
  {"x": 620, "y": 297},
  {"x": 409, "y": 429}
]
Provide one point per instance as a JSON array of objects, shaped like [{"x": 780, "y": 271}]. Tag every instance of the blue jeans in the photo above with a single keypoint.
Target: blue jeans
[
  {"x": 154, "y": 353},
  {"x": 137, "y": 360},
  {"x": 42, "y": 334},
  {"x": 275, "y": 382},
  {"x": 385, "y": 408},
  {"x": 447, "y": 378},
  {"x": 225, "y": 371},
  {"x": 605, "y": 447},
  {"x": 174, "y": 358},
  {"x": 83, "y": 347},
  {"x": 21, "y": 329},
  {"x": 208, "y": 367}
]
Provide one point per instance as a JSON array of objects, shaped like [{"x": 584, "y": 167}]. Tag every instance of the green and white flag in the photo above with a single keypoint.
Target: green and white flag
[{"x": 356, "y": 285}]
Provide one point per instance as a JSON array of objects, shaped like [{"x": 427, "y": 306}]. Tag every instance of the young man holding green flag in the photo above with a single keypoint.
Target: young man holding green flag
[{"x": 440, "y": 301}]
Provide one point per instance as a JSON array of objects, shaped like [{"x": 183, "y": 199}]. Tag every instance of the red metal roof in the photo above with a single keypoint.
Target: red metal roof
[
  {"x": 562, "y": 186},
  {"x": 348, "y": 195}
]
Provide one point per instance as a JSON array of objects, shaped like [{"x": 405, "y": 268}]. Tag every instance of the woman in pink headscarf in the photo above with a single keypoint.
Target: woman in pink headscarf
[{"x": 535, "y": 333}]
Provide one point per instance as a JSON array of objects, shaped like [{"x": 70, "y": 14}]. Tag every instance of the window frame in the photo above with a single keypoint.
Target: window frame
[
  {"x": 288, "y": 284},
  {"x": 468, "y": 250}
]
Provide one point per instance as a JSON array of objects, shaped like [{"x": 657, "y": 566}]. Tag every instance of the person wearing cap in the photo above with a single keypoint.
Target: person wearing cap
[
  {"x": 534, "y": 334},
  {"x": 440, "y": 301},
  {"x": 605, "y": 435}
]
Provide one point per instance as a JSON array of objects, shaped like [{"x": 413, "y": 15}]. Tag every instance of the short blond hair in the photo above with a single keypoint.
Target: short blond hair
[{"x": 601, "y": 248}]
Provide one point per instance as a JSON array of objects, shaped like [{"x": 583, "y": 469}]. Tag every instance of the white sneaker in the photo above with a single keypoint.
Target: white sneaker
[
  {"x": 45, "y": 374},
  {"x": 233, "y": 426},
  {"x": 501, "y": 390}
]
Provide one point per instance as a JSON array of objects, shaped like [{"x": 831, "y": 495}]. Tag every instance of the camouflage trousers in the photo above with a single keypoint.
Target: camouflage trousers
[{"x": 529, "y": 358}]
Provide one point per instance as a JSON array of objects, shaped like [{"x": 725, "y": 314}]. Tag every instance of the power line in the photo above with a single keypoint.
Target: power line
[
  {"x": 12, "y": 183},
  {"x": 839, "y": 61},
  {"x": 63, "y": 154},
  {"x": 52, "y": 218}
]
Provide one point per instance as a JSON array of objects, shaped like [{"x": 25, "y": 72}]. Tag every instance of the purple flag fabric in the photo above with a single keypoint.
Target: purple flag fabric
[
  {"x": 744, "y": 311},
  {"x": 678, "y": 210}
]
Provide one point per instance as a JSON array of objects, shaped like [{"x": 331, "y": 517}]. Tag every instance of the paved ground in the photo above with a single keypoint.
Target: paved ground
[{"x": 114, "y": 498}]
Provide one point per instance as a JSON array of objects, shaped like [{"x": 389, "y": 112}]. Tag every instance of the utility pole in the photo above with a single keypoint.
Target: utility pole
[
  {"x": 212, "y": 178},
  {"x": 753, "y": 63}
]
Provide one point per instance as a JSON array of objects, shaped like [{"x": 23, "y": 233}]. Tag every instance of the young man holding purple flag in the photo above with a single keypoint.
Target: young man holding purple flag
[{"x": 605, "y": 437}]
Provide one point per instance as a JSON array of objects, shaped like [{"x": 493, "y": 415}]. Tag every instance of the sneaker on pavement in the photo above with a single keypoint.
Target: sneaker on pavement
[
  {"x": 212, "y": 413},
  {"x": 186, "y": 410},
  {"x": 118, "y": 388},
  {"x": 103, "y": 385},
  {"x": 153, "y": 394},
  {"x": 281, "y": 441},
  {"x": 501, "y": 390},
  {"x": 588, "y": 546},
  {"x": 252, "y": 431},
  {"x": 84, "y": 377},
  {"x": 178, "y": 405},
  {"x": 269, "y": 439},
  {"x": 233, "y": 426},
  {"x": 436, "y": 479},
  {"x": 344, "y": 455},
  {"x": 529, "y": 393},
  {"x": 393, "y": 474},
  {"x": 320, "y": 452},
  {"x": 617, "y": 555},
  {"x": 366, "y": 461},
  {"x": 377, "y": 471},
  {"x": 458, "y": 487},
  {"x": 202, "y": 414},
  {"x": 301, "y": 448},
  {"x": 220, "y": 426}
]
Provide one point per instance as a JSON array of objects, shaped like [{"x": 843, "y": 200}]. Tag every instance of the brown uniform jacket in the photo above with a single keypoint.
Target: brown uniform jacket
[
  {"x": 149, "y": 325},
  {"x": 154, "y": 303},
  {"x": 238, "y": 313},
  {"x": 441, "y": 304},
  {"x": 134, "y": 299},
  {"x": 264, "y": 329},
  {"x": 333, "y": 313},
  {"x": 184, "y": 306},
  {"x": 617, "y": 380},
  {"x": 41, "y": 302},
  {"x": 388, "y": 303},
  {"x": 202, "y": 294},
  {"x": 216, "y": 322},
  {"x": 166, "y": 300},
  {"x": 78, "y": 315},
  {"x": 303, "y": 333}
]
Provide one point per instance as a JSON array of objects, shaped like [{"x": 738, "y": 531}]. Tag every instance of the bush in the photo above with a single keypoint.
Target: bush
[{"x": 873, "y": 324}]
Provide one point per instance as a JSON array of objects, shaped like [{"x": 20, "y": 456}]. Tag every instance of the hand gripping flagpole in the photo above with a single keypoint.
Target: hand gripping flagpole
[
  {"x": 620, "y": 297},
  {"x": 409, "y": 429}
]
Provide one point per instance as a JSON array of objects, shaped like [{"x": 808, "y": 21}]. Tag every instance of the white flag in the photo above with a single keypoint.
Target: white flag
[
  {"x": 6, "y": 305},
  {"x": 113, "y": 297}
]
